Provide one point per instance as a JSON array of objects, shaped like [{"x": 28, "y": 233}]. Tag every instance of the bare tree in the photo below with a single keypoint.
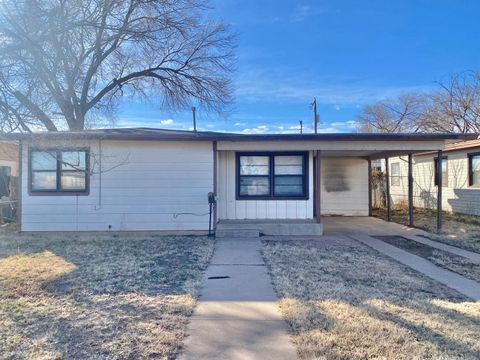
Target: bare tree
[
  {"x": 401, "y": 114},
  {"x": 455, "y": 105},
  {"x": 66, "y": 63}
]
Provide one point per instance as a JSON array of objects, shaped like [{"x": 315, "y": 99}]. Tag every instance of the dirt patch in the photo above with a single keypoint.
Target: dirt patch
[
  {"x": 458, "y": 229},
  {"x": 343, "y": 300},
  {"x": 97, "y": 296},
  {"x": 449, "y": 261}
]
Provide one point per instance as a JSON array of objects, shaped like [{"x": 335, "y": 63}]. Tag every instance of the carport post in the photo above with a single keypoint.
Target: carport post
[
  {"x": 369, "y": 187},
  {"x": 410, "y": 189},
  {"x": 318, "y": 184},
  {"x": 387, "y": 176},
  {"x": 439, "y": 190},
  {"x": 215, "y": 171}
]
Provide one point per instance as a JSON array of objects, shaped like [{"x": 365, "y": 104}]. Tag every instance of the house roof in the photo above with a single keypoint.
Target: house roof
[
  {"x": 457, "y": 146},
  {"x": 182, "y": 135},
  {"x": 463, "y": 145}
]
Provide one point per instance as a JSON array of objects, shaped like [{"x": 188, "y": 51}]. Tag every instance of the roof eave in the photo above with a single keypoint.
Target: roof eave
[{"x": 211, "y": 136}]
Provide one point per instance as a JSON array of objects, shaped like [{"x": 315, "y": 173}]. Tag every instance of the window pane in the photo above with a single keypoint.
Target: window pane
[
  {"x": 44, "y": 160},
  {"x": 395, "y": 169},
  {"x": 73, "y": 180},
  {"x": 254, "y": 186},
  {"x": 444, "y": 172},
  {"x": 476, "y": 170},
  {"x": 44, "y": 180},
  {"x": 254, "y": 165},
  {"x": 444, "y": 166},
  {"x": 289, "y": 165},
  {"x": 73, "y": 160},
  {"x": 289, "y": 185}
]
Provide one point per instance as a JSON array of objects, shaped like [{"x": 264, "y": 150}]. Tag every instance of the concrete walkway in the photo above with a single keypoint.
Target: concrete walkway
[
  {"x": 463, "y": 285},
  {"x": 237, "y": 317},
  {"x": 449, "y": 248}
]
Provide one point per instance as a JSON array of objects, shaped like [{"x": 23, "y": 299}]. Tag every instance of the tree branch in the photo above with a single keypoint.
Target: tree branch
[{"x": 36, "y": 111}]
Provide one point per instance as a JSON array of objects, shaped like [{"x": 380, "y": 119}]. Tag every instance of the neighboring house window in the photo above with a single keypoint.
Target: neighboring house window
[
  {"x": 59, "y": 171},
  {"x": 376, "y": 165},
  {"x": 474, "y": 169},
  {"x": 272, "y": 176},
  {"x": 395, "y": 174},
  {"x": 444, "y": 171}
]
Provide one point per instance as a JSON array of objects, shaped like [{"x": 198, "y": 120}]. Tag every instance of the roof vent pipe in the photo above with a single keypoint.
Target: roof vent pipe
[{"x": 194, "y": 119}]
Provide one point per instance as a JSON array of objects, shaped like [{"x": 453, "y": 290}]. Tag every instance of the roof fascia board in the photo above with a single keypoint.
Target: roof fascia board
[{"x": 391, "y": 145}]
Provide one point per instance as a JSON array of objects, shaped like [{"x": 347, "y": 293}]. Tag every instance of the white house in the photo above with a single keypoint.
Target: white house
[
  {"x": 152, "y": 179},
  {"x": 460, "y": 178}
]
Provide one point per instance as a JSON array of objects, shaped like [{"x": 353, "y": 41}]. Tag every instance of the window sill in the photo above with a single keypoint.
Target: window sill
[
  {"x": 58, "y": 193},
  {"x": 269, "y": 198}
]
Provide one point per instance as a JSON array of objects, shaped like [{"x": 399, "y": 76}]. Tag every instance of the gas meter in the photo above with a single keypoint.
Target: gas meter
[{"x": 212, "y": 198}]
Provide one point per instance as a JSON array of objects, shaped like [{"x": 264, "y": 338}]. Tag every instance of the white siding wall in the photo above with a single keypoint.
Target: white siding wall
[
  {"x": 457, "y": 196},
  {"x": 230, "y": 208},
  {"x": 344, "y": 186},
  {"x": 144, "y": 185},
  {"x": 344, "y": 192}
]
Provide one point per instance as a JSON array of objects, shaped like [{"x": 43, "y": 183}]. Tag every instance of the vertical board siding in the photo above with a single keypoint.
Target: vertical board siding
[
  {"x": 145, "y": 186},
  {"x": 344, "y": 186},
  {"x": 456, "y": 197},
  {"x": 231, "y": 208},
  {"x": 349, "y": 201}
]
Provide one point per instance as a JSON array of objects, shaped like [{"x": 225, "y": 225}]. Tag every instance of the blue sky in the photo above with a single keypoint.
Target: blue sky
[{"x": 344, "y": 53}]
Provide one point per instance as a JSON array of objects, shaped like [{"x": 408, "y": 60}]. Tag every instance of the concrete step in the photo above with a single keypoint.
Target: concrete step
[
  {"x": 237, "y": 233},
  {"x": 236, "y": 226},
  {"x": 277, "y": 228}
]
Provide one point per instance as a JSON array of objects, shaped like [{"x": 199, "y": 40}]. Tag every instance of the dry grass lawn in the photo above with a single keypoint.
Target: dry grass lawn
[
  {"x": 97, "y": 296},
  {"x": 458, "y": 229},
  {"x": 343, "y": 300}
]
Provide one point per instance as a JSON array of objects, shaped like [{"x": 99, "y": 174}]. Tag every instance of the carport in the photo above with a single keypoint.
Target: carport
[{"x": 331, "y": 162}]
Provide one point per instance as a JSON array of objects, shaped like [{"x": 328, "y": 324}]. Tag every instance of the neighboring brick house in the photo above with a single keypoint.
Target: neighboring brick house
[{"x": 460, "y": 178}]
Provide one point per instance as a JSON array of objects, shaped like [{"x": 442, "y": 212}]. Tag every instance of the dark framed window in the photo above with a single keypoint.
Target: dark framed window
[
  {"x": 272, "y": 176},
  {"x": 474, "y": 169},
  {"x": 444, "y": 171},
  {"x": 58, "y": 171},
  {"x": 395, "y": 174}
]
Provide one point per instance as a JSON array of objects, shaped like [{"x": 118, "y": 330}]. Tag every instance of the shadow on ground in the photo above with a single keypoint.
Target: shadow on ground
[
  {"x": 97, "y": 296},
  {"x": 343, "y": 300}
]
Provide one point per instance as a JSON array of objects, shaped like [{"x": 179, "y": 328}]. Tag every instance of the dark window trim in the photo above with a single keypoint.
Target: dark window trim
[
  {"x": 271, "y": 155},
  {"x": 395, "y": 177},
  {"x": 444, "y": 177},
  {"x": 58, "y": 171},
  {"x": 470, "y": 169}
]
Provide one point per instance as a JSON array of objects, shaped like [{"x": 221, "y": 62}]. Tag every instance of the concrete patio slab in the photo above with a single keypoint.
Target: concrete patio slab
[
  {"x": 237, "y": 316},
  {"x": 345, "y": 225},
  {"x": 457, "y": 282}
]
